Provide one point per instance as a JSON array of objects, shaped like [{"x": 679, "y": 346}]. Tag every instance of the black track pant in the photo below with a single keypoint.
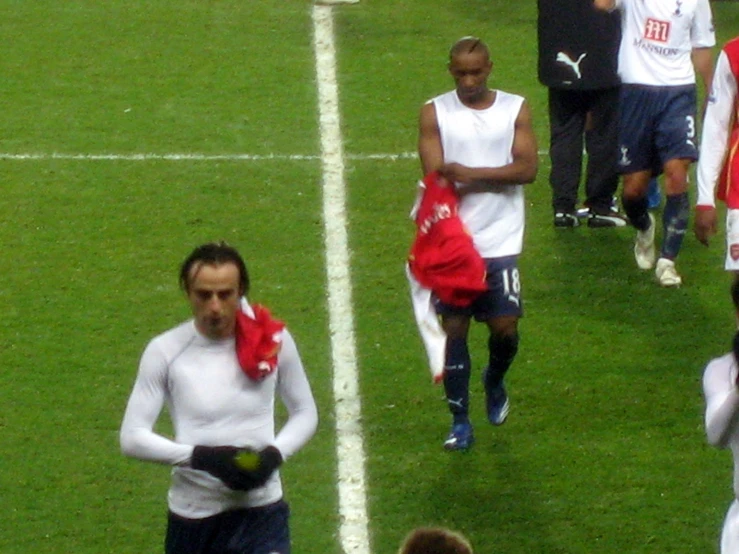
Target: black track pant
[{"x": 569, "y": 133}]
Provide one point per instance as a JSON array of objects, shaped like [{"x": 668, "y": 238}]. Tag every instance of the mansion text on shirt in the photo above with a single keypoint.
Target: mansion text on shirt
[{"x": 661, "y": 50}]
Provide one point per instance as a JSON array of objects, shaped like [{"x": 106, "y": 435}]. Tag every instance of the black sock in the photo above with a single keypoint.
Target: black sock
[
  {"x": 503, "y": 349},
  {"x": 637, "y": 211},
  {"x": 457, "y": 379}
]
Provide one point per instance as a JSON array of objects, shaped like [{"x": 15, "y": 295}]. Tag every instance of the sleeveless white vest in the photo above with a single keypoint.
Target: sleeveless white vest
[{"x": 484, "y": 138}]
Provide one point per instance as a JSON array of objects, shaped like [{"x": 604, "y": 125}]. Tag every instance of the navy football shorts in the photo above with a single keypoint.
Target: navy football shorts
[
  {"x": 503, "y": 297},
  {"x": 261, "y": 530},
  {"x": 657, "y": 124}
]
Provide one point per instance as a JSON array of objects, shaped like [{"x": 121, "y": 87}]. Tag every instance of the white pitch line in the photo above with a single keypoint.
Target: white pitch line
[
  {"x": 353, "y": 531},
  {"x": 185, "y": 157},
  {"x": 196, "y": 157}
]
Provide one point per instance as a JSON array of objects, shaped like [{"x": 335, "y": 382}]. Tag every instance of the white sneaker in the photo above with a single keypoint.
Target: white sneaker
[
  {"x": 644, "y": 246},
  {"x": 666, "y": 274}
]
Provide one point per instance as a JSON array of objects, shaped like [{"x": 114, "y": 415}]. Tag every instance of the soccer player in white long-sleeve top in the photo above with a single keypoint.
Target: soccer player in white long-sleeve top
[
  {"x": 225, "y": 494},
  {"x": 718, "y": 167},
  {"x": 721, "y": 390}
]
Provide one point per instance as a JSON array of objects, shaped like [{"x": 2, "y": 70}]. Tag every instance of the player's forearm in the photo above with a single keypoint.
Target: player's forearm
[
  {"x": 722, "y": 412},
  {"x": 430, "y": 151},
  {"x": 431, "y": 156},
  {"x": 144, "y": 444},
  {"x": 604, "y": 4},
  {"x": 297, "y": 431},
  {"x": 707, "y": 174},
  {"x": 295, "y": 392},
  {"x": 703, "y": 64},
  {"x": 708, "y": 171},
  {"x": 714, "y": 144},
  {"x": 721, "y": 425},
  {"x": 516, "y": 173},
  {"x": 706, "y": 197}
]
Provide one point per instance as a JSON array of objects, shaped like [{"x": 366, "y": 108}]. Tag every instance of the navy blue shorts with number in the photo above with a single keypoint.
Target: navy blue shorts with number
[
  {"x": 262, "y": 530},
  {"x": 503, "y": 297},
  {"x": 657, "y": 124}
]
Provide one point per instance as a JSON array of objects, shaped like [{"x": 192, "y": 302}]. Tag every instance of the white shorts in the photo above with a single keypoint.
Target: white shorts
[
  {"x": 730, "y": 532},
  {"x": 732, "y": 240}
]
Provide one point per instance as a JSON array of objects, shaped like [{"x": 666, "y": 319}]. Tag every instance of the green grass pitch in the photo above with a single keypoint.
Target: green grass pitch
[{"x": 604, "y": 449}]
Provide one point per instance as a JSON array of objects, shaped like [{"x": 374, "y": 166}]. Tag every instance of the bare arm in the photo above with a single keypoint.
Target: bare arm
[
  {"x": 520, "y": 171},
  {"x": 606, "y": 5},
  {"x": 703, "y": 64},
  {"x": 430, "y": 150}
]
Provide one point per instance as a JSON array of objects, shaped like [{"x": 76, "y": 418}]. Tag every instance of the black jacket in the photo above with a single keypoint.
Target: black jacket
[{"x": 578, "y": 45}]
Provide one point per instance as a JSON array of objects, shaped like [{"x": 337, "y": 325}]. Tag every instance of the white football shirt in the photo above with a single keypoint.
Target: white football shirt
[
  {"x": 658, "y": 37},
  {"x": 715, "y": 135},
  {"x": 212, "y": 402}
]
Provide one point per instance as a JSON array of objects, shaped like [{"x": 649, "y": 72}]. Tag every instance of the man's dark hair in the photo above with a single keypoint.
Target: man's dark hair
[
  {"x": 468, "y": 45},
  {"x": 435, "y": 540},
  {"x": 214, "y": 253}
]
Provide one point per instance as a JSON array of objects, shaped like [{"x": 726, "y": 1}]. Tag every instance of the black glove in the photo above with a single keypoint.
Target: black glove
[
  {"x": 219, "y": 461},
  {"x": 239, "y": 468},
  {"x": 259, "y": 465}
]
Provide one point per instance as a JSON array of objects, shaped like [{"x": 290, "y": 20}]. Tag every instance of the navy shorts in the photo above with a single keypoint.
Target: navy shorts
[
  {"x": 657, "y": 124},
  {"x": 503, "y": 297},
  {"x": 262, "y": 530}
]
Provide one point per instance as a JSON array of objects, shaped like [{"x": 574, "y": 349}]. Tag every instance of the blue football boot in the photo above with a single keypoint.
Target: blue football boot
[{"x": 460, "y": 437}]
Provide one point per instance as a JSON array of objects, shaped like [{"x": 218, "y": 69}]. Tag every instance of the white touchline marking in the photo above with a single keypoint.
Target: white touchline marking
[
  {"x": 195, "y": 157},
  {"x": 353, "y": 531}
]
